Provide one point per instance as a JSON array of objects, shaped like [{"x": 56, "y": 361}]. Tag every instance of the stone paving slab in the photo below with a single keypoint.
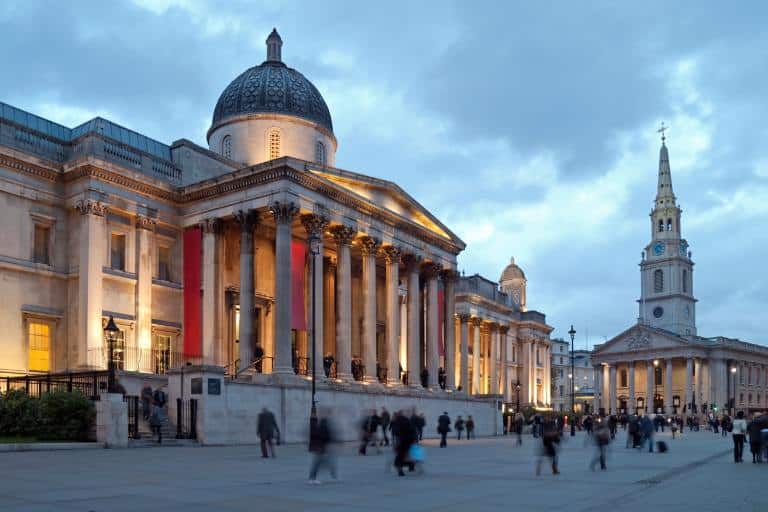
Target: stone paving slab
[{"x": 483, "y": 474}]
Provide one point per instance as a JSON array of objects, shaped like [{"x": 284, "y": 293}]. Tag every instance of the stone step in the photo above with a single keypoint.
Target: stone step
[{"x": 148, "y": 442}]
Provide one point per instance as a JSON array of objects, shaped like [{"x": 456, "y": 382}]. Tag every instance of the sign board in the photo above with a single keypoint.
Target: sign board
[
  {"x": 197, "y": 386},
  {"x": 214, "y": 386}
]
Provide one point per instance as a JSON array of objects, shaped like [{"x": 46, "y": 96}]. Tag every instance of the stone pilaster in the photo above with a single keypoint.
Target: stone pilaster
[
  {"x": 247, "y": 220},
  {"x": 412, "y": 263},
  {"x": 464, "y": 319},
  {"x": 632, "y": 402},
  {"x": 477, "y": 323},
  {"x": 668, "y": 388},
  {"x": 89, "y": 290},
  {"x": 431, "y": 272},
  {"x": 213, "y": 294},
  {"x": 343, "y": 235},
  {"x": 315, "y": 226},
  {"x": 493, "y": 356},
  {"x": 145, "y": 234},
  {"x": 598, "y": 380},
  {"x": 392, "y": 258},
  {"x": 649, "y": 386},
  {"x": 503, "y": 334},
  {"x": 368, "y": 247},
  {"x": 449, "y": 327},
  {"x": 612, "y": 389},
  {"x": 687, "y": 402},
  {"x": 283, "y": 213}
]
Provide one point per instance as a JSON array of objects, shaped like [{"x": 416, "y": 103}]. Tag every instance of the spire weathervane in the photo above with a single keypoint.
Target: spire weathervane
[{"x": 661, "y": 131}]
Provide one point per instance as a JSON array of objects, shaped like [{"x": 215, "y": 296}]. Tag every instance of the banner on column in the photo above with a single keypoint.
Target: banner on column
[
  {"x": 298, "y": 264},
  {"x": 193, "y": 245}
]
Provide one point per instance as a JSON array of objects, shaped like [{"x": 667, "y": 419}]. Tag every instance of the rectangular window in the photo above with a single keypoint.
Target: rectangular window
[
  {"x": 39, "y": 347},
  {"x": 623, "y": 379},
  {"x": 164, "y": 263},
  {"x": 117, "y": 252},
  {"x": 161, "y": 353},
  {"x": 42, "y": 241},
  {"x": 118, "y": 355},
  {"x": 562, "y": 389}
]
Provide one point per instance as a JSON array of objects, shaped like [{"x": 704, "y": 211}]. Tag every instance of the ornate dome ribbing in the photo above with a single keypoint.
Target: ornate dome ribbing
[
  {"x": 272, "y": 88},
  {"x": 512, "y": 271}
]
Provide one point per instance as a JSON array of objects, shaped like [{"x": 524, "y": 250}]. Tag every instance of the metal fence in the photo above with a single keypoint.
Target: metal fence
[
  {"x": 133, "y": 416},
  {"x": 88, "y": 383},
  {"x": 186, "y": 418},
  {"x": 144, "y": 360}
]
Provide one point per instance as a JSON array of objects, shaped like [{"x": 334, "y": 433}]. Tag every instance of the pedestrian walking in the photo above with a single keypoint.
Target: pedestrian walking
[
  {"x": 156, "y": 423},
  {"x": 443, "y": 428},
  {"x": 602, "y": 438},
  {"x": 459, "y": 426},
  {"x": 647, "y": 429},
  {"x": 739, "y": 430},
  {"x": 519, "y": 422},
  {"x": 470, "y": 428},
  {"x": 755, "y": 439},
  {"x": 321, "y": 437},
  {"x": 550, "y": 439},
  {"x": 146, "y": 400},
  {"x": 405, "y": 436},
  {"x": 266, "y": 427},
  {"x": 384, "y": 420}
]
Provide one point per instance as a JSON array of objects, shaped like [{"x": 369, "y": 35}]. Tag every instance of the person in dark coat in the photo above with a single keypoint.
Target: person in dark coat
[
  {"x": 321, "y": 436},
  {"x": 258, "y": 356},
  {"x": 328, "y": 361},
  {"x": 459, "y": 426},
  {"x": 470, "y": 428},
  {"x": 424, "y": 377},
  {"x": 384, "y": 419},
  {"x": 267, "y": 430},
  {"x": 647, "y": 429},
  {"x": 755, "y": 440},
  {"x": 146, "y": 400},
  {"x": 443, "y": 427},
  {"x": 368, "y": 428},
  {"x": 404, "y": 433},
  {"x": 550, "y": 439},
  {"x": 602, "y": 438}
]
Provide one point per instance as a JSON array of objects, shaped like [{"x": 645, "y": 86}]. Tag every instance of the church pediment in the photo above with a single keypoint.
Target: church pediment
[
  {"x": 389, "y": 196},
  {"x": 640, "y": 338}
]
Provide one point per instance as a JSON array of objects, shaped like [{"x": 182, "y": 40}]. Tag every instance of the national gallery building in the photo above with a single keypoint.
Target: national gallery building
[
  {"x": 661, "y": 364},
  {"x": 234, "y": 255}
]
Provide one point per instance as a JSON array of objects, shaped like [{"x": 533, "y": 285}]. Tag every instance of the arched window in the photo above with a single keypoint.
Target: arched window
[
  {"x": 226, "y": 146},
  {"x": 661, "y": 225},
  {"x": 274, "y": 143},
  {"x": 685, "y": 281},
  {"x": 658, "y": 280},
  {"x": 669, "y": 224},
  {"x": 320, "y": 153}
]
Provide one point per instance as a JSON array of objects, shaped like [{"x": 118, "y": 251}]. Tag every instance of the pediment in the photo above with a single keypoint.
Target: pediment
[
  {"x": 389, "y": 196},
  {"x": 640, "y": 338}
]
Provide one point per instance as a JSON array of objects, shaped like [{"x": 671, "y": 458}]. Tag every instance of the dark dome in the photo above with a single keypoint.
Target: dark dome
[{"x": 272, "y": 88}]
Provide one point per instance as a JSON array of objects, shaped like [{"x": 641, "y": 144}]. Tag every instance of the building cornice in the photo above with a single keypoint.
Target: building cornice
[
  {"x": 37, "y": 171},
  {"x": 92, "y": 171}
]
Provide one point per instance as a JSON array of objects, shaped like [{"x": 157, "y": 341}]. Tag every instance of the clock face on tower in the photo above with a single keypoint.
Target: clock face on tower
[
  {"x": 658, "y": 249},
  {"x": 658, "y": 311}
]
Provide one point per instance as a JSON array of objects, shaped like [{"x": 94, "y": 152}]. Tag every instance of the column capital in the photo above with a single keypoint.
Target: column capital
[
  {"x": 283, "y": 212},
  {"x": 449, "y": 275},
  {"x": 212, "y": 225},
  {"x": 464, "y": 317},
  {"x": 247, "y": 219},
  {"x": 368, "y": 245},
  {"x": 92, "y": 207},
  {"x": 431, "y": 269},
  {"x": 343, "y": 235},
  {"x": 411, "y": 261},
  {"x": 504, "y": 329},
  {"x": 314, "y": 224},
  {"x": 145, "y": 222},
  {"x": 391, "y": 253},
  {"x": 477, "y": 321}
]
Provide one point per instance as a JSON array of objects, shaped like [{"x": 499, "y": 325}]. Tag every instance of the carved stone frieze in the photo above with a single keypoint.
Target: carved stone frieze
[
  {"x": 638, "y": 341},
  {"x": 145, "y": 222},
  {"x": 477, "y": 321}
]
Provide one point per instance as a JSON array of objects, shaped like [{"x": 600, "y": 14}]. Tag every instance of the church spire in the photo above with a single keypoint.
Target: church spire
[
  {"x": 665, "y": 197},
  {"x": 274, "y": 47}
]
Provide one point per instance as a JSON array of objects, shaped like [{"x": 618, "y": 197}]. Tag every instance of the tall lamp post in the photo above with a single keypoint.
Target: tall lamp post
[
  {"x": 572, "y": 333},
  {"x": 732, "y": 401},
  {"x": 517, "y": 387},
  {"x": 314, "y": 250},
  {"x": 110, "y": 332},
  {"x": 655, "y": 391}
]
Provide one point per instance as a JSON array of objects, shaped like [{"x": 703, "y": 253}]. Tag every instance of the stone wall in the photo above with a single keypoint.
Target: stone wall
[{"x": 230, "y": 417}]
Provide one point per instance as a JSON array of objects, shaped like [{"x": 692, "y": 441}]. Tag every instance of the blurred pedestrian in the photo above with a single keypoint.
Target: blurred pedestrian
[
  {"x": 368, "y": 427},
  {"x": 470, "y": 427},
  {"x": 404, "y": 435},
  {"x": 266, "y": 426},
  {"x": 739, "y": 430},
  {"x": 755, "y": 440},
  {"x": 384, "y": 420},
  {"x": 459, "y": 426},
  {"x": 443, "y": 428},
  {"x": 321, "y": 437},
  {"x": 146, "y": 400},
  {"x": 602, "y": 438},
  {"x": 646, "y": 429},
  {"x": 519, "y": 422},
  {"x": 156, "y": 423},
  {"x": 550, "y": 439}
]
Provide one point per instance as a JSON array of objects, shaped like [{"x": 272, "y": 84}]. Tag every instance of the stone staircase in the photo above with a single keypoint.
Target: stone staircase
[{"x": 147, "y": 439}]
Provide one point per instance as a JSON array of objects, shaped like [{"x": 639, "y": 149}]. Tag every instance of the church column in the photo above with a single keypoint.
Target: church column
[
  {"x": 329, "y": 310},
  {"x": 343, "y": 236},
  {"x": 449, "y": 328},
  {"x": 668, "y": 387},
  {"x": 89, "y": 283},
  {"x": 649, "y": 386},
  {"x": 632, "y": 402},
  {"x": 315, "y": 226},
  {"x": 247, "y": 221},
  {"x": 525, "y": 382},
  {"x": 612, "y": 390},
  {"x": 369, "y": 246},
  {"x": 431, "y": 271},
  {"x": 213, "y": 295},
  {"x": 688, "y": 385},
  {"x": 145, "y": 230},
  {"x": 392, "y": 257},
  {"x": 476, "y": 323},
  {"x": 412, "y": 264},
  {"x": 504, "y": 340},
  {"x": 698, "y": 395},
  {"x": 284, "y": 214},
  {"x": 464, "y": 319},
  {"x": 493, "y": 338}
]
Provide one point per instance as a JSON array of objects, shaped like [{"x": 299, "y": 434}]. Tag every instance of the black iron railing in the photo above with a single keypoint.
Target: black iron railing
[
  {"x": 186, "y": 418},
  {"x": 88, "y": 383},
  {"x": 145, "y": 360},
  {"x": 133, "y": 416}
]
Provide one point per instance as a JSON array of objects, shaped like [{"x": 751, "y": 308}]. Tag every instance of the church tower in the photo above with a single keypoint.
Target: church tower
[{"x": 666, "y": 271}]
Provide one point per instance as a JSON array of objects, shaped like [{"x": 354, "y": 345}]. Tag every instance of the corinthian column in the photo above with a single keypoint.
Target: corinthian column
[
  {"x": 476, "y": 324},
  {"x": 247, "y": 220},
  {"x": 89, "y": 283},
  {"x": 632, "y": 400},
  {"x": 145, "y": 230},
  {"x": 449, "y": 328},
  {"x": 213, "y": 295},
  {"x": 431, "y": 272},
  {"x": 284, "y": 214},
  {"x": 412, "y": 263},
  {"x": 315, "y": 226},
  {"x": 392, "y": 257},
  {"x": 668, "y": 387},
  {"x": 343, "y": 236},
  {"x": 464, "y": 319},
  {"x": 503, "y": 334},
  {"x": 649, "y": 387},
  {"x": 368, "y": 247},
  {"x": 493, "y": 353}
]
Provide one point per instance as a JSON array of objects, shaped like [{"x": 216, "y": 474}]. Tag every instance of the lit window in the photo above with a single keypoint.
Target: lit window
[
  {"x": 226, "y": 146},
  {"x": 39, "y": 347},
  {"x": 164, "y": 263},
  {"x": 118, "y": 354},
  {"x": 161, "y": 353},
  {"x": 658, "y": 281},
  {"x": 42, "y": 244},
  {"x": 274, "y": 144},
  {"x": 320, "y": 153},
  {"x": 661, "y": 225},
  {"x": 117, "y": 252}
]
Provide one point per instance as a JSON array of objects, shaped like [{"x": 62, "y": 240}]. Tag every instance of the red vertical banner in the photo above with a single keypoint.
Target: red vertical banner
[
  {"x": 298, "y": 263},
  {"x": 193, "y": 245},
  {"x": 440, "y": 321}
]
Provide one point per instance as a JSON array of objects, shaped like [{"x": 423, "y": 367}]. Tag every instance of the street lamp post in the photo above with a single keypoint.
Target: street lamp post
[
  {"x": 655, "y": 391},
  {"x": 110, "y": 332},
  {"x": 517, "y": 387},
  {"x": 732, "y": 401},
  {"x": 314, "y": 250},
  {"x": 572, "y": 333}
]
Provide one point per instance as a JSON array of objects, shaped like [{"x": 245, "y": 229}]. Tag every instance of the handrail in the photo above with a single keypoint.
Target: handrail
[{"x": 256, "y": 364}]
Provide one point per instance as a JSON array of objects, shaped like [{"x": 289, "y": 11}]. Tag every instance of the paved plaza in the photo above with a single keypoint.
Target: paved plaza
[{"x": 484, "y": 474}]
